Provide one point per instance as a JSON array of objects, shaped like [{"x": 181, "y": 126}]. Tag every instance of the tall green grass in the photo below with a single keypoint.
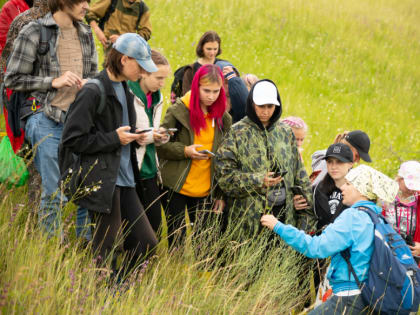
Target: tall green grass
[{"x": 340, "y": 65}]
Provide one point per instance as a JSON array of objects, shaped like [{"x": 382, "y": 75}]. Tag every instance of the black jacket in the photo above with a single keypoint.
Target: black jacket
[
  {"x": 322, "y": 207},
  {"x": 238, "y": 94},
  {"x": 90, "y": 143}
]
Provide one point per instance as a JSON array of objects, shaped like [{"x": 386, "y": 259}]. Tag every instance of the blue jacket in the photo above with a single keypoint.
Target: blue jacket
[{"x": 352, "y": 229}]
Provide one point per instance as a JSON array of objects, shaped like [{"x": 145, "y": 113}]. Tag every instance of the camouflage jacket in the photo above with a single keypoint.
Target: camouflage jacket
[{"x": 242, "y": 163}]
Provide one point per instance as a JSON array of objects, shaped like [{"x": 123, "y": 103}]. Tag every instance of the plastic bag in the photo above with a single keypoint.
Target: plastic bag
[{"x": 13, "y": 171}]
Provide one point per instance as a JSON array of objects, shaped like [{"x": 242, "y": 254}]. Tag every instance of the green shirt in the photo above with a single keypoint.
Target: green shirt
[{"x": 148, "y": 167}]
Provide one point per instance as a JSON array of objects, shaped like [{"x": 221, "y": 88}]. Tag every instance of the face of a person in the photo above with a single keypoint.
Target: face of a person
[
  {"x": 337, "y": 169},
  {"x": 264, "y": 112},
  {"x": 350, "y": 194},
  {"x": 131, "y": 69},
  {"x": 209, "y": 93},
  {"x": 300, "y": 135},
  {"x": 403, "y": 188},
  {"x": 156, "y": 80},
  {"x": 210, "y": 50},
  {"x": 78, "y": 11}
]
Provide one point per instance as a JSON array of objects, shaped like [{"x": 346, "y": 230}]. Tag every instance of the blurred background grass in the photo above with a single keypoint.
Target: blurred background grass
[{"x": 338, "y": 65}]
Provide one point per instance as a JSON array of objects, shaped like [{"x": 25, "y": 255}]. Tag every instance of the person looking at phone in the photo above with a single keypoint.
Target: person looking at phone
[
  {"x": 187, "y": 173},
  {"x": 258, "y": 163},
  {"x": 148, "y": 104},
  {"x": 104, "y": 147}
]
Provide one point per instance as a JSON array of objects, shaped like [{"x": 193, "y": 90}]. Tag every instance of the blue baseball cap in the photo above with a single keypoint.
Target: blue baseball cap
[{"x": 134, "y": 46}]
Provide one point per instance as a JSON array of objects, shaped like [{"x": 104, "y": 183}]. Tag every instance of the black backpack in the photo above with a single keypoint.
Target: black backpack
[
  {"x": 20, "y": 106},
  {"x": 176, "y": 87},
  {"x": 111, "y": 10}
]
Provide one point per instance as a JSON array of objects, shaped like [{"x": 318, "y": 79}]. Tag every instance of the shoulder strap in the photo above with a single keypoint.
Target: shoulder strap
[
  {"x": 346, "y": 253},
  {"x": 101, "y": 88},
  {"x": 3, "y": 97},
  {"x": 107, "y": 14},
  {"x": 372, "y": 214},
  {"x": 141, "y": 11},
  {"x": 346, "y": 256},
  {"x": 44, "y": 45},
  {"x": 44, "y": 39}
]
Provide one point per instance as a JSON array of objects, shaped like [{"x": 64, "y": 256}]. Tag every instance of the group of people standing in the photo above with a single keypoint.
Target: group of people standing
[{"x": 101, "y": 143}]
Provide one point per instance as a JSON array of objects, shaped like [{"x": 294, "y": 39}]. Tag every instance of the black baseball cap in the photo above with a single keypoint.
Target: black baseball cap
[
  {"x": 361, "y": 142},
  {"x": 340, "y": 151}
]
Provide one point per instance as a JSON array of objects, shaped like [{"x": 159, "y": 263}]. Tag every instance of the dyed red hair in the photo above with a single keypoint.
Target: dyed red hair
[{"x": 206, "y": 74}]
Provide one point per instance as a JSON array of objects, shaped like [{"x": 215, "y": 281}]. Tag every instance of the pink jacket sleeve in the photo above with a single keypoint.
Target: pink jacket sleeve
[{"x": 417, "y": 233}]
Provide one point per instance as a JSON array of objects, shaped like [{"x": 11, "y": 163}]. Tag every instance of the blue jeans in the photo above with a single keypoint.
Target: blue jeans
[
  {"x": 341, "y": 305},
  {"x": 83, "y": 222},
  {"x": 44, "y": 134}
]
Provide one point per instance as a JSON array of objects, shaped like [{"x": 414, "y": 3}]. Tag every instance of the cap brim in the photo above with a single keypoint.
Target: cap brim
[
  {"x": 338, "y": 157},
  {"x": 365, "y": 156},
  {"x": 412, "y": 184},
  {"x": 266, "y": 102},
  {"x": 147, "y": 65}
]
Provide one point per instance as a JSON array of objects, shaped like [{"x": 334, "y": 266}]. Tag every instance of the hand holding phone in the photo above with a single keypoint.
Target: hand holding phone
[
  {"x": 297, "y": 190},
  {"x": 143, "y": 131},
  {"x": 279, "y": 173},
  {"x": 207, "y": 152}
]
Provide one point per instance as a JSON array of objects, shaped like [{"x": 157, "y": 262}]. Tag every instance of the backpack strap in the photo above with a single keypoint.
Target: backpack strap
[
  {"x": 141, "y": 11},
  {"x": 346, "y": 253},
  {"x": 3, "y": 97},
  {"x": 107, "y": 14},
  {"x": 101, "y": 88},
  {"x": 45, "y": 44},
  {"x": 44, "y": 39},
  {"x": 346, "y": 256}
]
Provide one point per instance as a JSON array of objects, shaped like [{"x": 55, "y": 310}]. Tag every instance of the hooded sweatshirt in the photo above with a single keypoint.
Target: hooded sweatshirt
[{"x": 243, "y": 160}]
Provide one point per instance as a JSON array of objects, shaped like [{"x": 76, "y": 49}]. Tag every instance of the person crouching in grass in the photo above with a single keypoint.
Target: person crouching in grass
[{"x": 352, "y": 230}]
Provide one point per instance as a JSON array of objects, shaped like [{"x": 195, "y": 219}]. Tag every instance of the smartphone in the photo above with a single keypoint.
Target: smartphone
[
  {"x": 279, "y": 173},
  {"x": 297, "y": 190},
  {"x": 207, "y": 152},
  {"x": 144, "y": 130},
  {"x": 172, "y": 129}
]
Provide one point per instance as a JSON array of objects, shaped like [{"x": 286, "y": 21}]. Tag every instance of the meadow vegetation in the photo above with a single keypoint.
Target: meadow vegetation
[{"x": 340, "y": 65}]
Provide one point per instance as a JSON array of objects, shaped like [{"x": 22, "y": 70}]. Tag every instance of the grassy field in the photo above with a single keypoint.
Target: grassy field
[{"x": 340, "y": 65}]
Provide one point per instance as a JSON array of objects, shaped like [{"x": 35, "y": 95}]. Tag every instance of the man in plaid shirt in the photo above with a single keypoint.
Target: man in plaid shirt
[{"x": 53, "y": 81}]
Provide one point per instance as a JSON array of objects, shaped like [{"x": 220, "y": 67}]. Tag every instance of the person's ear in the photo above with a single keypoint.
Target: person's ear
[{"x": 124, "y": 60}]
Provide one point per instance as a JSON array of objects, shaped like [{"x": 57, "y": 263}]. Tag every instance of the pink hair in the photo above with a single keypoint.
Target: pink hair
[
  {"x": 207, "y": 73},
  {"x": 295, "y": 122}
]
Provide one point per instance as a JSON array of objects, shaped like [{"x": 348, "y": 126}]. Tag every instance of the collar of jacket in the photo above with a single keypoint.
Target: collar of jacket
[
  {"x": 109, "y": 89},
  {"x": 104, "y": 78},
  {"x": 136, "y": 90},
  {"x": 48, "y": 20},
  {"x": 182, "y": 114}
]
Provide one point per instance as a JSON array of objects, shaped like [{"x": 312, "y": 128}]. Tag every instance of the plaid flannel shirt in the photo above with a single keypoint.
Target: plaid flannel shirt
[{"x": 19, "y": 75}]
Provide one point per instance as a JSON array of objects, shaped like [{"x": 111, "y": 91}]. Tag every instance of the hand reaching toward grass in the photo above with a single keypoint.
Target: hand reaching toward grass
[{"x": 269, "y": 220}]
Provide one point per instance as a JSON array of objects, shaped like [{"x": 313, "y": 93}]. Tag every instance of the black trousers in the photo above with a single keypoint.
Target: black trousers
[
  {"x": 150, "y": 195},
  {"x": 174, "y": 205},
  {"x": 127, "y": 218}
]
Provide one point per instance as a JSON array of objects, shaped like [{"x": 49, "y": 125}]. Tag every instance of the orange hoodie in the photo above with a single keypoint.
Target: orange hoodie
[{"x": 198, "y": 181}]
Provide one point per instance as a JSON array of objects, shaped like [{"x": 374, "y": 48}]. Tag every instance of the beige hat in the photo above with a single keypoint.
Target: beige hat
[{"x": 372, "y": 183}]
